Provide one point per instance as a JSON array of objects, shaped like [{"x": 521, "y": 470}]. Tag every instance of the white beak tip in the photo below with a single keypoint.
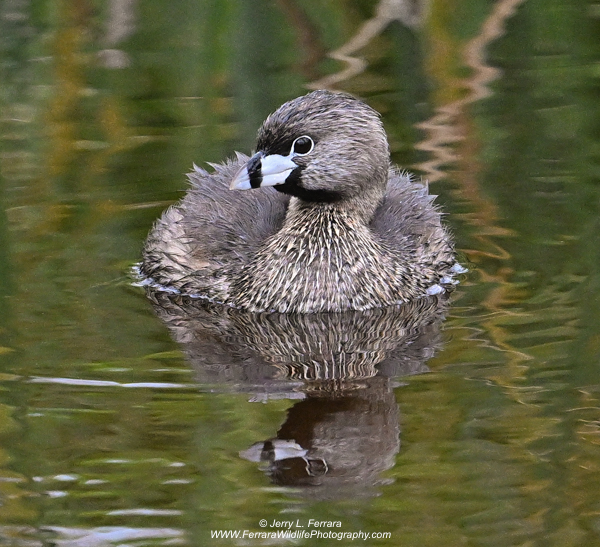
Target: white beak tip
[{"x": 241, "y": 181}]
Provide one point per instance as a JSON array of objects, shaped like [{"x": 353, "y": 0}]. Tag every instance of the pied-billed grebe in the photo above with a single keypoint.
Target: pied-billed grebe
[{"x": 333, "y": 227}]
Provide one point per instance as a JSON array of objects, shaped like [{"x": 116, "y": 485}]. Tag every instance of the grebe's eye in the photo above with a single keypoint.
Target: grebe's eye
[{"x": 303, "y": 145}]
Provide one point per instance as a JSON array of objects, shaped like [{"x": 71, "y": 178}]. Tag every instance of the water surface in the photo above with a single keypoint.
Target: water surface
[{"x": 128, "y": 421}]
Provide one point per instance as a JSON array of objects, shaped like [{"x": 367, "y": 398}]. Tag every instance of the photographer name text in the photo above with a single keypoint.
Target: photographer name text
[{"x": 312, "y": 523}]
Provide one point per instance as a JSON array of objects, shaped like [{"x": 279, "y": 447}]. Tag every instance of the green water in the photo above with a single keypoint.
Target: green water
[{"x": 125, "y": 424}]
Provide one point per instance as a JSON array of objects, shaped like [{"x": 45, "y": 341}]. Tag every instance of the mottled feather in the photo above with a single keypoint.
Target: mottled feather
[{"x": 378, "y": 239}]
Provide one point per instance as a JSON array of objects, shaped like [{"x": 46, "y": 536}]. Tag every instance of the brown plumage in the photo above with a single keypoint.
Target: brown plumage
[{"x": 333, "y": 228}]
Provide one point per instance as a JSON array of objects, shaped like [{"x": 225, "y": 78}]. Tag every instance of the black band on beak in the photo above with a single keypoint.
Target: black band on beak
[{"x": 254, "y": 167}]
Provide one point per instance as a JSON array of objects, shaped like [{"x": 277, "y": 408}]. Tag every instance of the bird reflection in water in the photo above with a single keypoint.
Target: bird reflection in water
[{"x": 343, "y": 431}]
